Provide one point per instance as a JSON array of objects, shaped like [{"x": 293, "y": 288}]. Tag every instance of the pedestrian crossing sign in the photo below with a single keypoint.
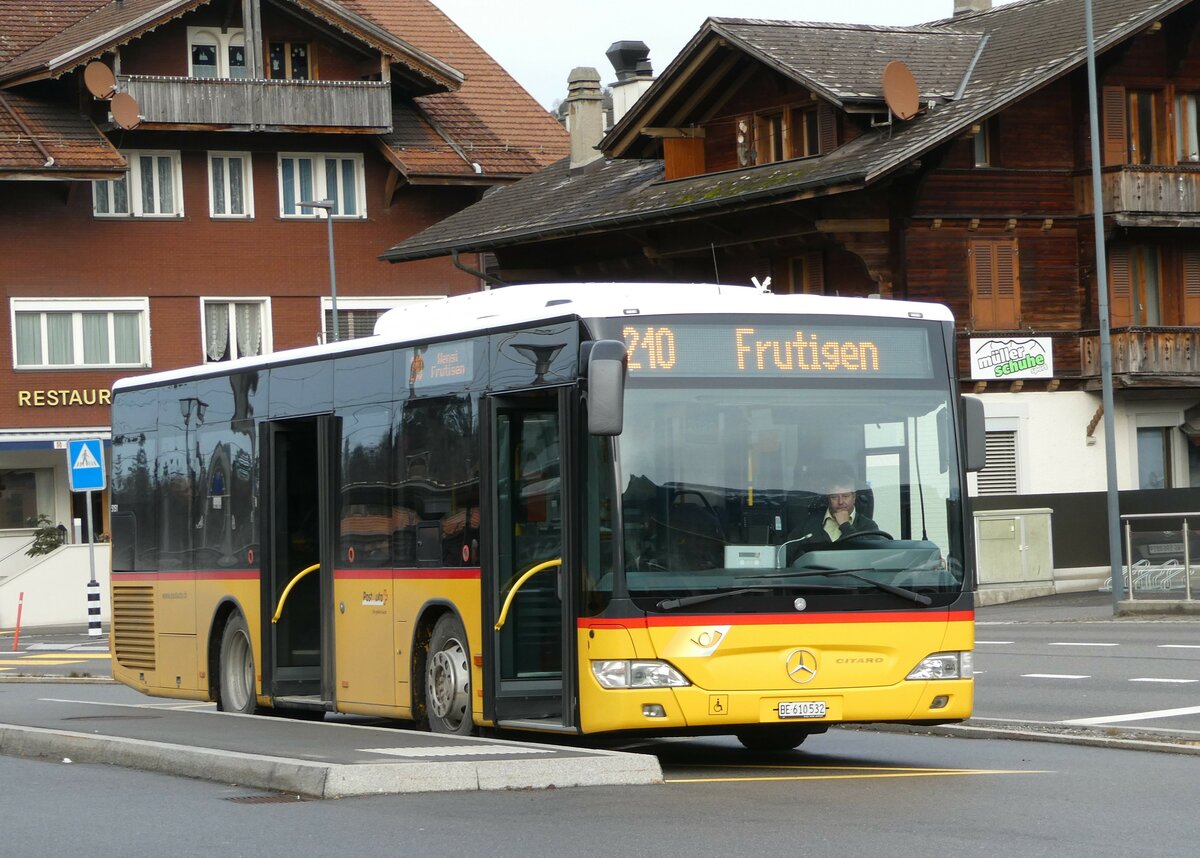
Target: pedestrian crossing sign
[{"x": 85, "y": 465}]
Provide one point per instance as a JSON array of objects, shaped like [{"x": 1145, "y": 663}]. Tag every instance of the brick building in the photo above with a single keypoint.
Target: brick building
[{"x": 177, "y": 240}]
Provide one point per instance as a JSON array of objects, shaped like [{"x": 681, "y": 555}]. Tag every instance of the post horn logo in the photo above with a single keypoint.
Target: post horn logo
[{"x": 802, "y": 666}]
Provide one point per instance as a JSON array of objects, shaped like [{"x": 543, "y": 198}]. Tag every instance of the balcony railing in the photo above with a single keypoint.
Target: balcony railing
[
  {"x": 1151, "y": 190},
  {"x": 1160, "y": 356},
  {"x": 262, "y": 104}
]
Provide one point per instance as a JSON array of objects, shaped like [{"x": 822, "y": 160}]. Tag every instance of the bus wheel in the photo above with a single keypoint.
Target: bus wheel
[
  {"x": 236, "y": 689},
  {"x": 448, "y": 678},
  {"x": 772, "y": 740}
]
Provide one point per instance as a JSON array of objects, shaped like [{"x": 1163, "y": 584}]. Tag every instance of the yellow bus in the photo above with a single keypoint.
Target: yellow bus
[{"x": 571, "y": 508}]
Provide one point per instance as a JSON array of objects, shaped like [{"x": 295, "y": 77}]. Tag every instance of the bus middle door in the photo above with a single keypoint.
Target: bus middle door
[{"x": 531, "y": 604}]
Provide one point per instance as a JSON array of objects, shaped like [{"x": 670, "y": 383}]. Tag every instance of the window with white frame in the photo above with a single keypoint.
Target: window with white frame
[
  {"x": 308, "y": 177},
  {"x": 80, "y": 333},
  {"x": 230, "y": 185},
  {"x": 357, "y": 315},
  {"x": 153, "y": 187},
  {"x": 235, "y": 328},
  {"x": 216, "y": 53}
]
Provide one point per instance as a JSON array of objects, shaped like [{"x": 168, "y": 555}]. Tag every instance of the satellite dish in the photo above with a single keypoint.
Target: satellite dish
[
  {"x": 99, "y": 80},
  {"x": 125, "y": 110},
  {"x": 900, "y": 90}
]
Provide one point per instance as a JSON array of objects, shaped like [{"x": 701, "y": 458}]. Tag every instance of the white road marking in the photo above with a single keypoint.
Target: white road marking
[
  {"x": 1054, "y": 676},
  {"x": 1155, "y": 679},
  {"x": 1074, "y": 643},
  {"x": 993, "y": 643},
  {"x": 1179, "y": 646},
  {"x": 1134, "y": 716}
]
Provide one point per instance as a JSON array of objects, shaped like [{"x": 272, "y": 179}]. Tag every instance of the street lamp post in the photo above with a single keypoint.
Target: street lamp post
[{"x": 328, "y": 206}]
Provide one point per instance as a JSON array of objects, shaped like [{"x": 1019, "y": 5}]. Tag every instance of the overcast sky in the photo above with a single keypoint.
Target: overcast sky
[{"x": 540, "y": 41}]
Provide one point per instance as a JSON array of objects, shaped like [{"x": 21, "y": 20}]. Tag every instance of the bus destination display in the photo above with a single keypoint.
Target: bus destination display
[{"x": 800, "y": 350}]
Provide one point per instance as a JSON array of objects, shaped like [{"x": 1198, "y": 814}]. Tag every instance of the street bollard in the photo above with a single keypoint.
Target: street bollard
[
  {"x": 93, "y": 599},
  {"x": 20, "y": 607}
]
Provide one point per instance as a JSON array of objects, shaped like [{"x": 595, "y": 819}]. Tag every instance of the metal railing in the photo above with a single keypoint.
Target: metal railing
[{"x": 1166, "y": 575}]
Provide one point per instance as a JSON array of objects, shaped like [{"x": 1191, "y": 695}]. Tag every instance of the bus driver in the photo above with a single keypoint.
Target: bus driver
[{"x": 837, "y": 518}]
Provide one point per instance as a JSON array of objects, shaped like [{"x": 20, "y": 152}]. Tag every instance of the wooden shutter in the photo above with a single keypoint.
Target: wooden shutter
[
  {"x": 1120, "y": 287},
  {"x": 683, "y": 156},
  {"x": 1007, "y": 285},
  {"x": 995, "y": 285},
  {"x": 1191, "y": 287},
  {"x": 1115, "y": 131},
  {"x": 814, "y": 270},
  {"x": 826, "y": 127},
  {"x": 983, "y": 278}
]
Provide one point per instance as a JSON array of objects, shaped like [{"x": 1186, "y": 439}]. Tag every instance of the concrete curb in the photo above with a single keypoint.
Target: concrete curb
[
  {"x": 331, "y": 780},
  {"x": 1063, "y": 736}
]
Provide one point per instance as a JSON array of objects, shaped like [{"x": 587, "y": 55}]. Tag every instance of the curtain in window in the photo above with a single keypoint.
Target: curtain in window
[
  {"x": 218, "y": 186},
  {"x": 349, "y": 194},
  {"x": 120, "y": 195},
  {"x": 166, "y": 185},
  {"x": 59, "y": 339},
  {"x": 216, "y": 327},
  {"x": 127, "y": 337},
  {"x": 249, "y": 329},
  {"x": 29, "y": 339},
  {"x": 95, "y": 338},
  {"x": 236, "y": 205},
  {"x": 331, "y": 186},
  {"x": 148, "y": 199}
]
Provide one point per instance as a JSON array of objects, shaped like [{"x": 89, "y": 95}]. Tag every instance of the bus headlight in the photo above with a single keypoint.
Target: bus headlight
[
  {"x": 945, "y": 665},
  {"x": 637, "y": 674}
]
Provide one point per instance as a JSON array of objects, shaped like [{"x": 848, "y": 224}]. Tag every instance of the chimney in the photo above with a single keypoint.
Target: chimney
[
  {"x": 585, "y": 115},
  {"x": 965, "y": 7},
  {"x": 631, "y": 60}
]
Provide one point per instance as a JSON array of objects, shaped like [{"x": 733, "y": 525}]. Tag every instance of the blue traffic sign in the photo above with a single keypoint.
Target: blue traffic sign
[{"x": 85, "y": 465}]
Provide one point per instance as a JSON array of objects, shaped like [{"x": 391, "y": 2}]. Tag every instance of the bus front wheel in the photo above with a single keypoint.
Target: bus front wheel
[
  {"x": 236, "y": 691},
  {"x": 448, "y": 678}
]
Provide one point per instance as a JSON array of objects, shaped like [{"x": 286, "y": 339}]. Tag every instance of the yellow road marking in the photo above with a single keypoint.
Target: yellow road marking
[
  {"x": 861, "y": 774},
  {"x": 51, "y": 656},
  {"x": 26, "y": 662}
]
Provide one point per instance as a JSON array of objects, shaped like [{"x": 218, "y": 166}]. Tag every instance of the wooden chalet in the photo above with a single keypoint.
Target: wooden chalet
[{"x": 774, "y": 149}]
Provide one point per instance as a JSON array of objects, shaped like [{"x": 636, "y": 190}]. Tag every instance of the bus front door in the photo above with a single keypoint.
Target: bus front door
[
  {"x": 297, "y": 524},
  {"x": 530, "y": 601}
]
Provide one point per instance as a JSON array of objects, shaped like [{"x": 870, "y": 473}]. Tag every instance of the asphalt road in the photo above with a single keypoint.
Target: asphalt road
[{"x": 849, "y": 792}]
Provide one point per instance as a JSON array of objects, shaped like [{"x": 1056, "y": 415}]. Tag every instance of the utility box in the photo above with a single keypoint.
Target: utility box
[{"x": 1014, "y": 546}]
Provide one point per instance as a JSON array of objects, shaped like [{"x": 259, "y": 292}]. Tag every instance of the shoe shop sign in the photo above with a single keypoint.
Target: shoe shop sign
[{"x": 1010, "y": 359}]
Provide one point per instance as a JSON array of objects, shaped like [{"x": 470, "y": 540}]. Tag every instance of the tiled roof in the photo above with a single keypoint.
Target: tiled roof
[
  {"x": 1028, "y": 44},
  {"x": 845, "y": 63},
  {"x": 73, "y": 142},
  {"x": 490, "y": 117},
  {"x": 28, "y": 23}
]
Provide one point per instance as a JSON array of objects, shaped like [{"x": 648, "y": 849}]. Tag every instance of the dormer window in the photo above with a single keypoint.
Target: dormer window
[
  {"x": 781, "y": 135},
  {"x": 215, "y": 53}
]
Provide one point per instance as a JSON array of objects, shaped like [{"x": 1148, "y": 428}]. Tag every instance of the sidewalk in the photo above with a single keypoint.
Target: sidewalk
[{"x": 1087, "y": 606}]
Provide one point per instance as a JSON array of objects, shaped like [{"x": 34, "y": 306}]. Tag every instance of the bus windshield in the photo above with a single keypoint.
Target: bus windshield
[{"x": 727, "y": 489}]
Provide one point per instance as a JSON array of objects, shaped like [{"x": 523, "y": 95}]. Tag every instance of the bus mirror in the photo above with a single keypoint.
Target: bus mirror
[
  {"x": 606, "y": 387},
  {"x": 973, "y": 425}
]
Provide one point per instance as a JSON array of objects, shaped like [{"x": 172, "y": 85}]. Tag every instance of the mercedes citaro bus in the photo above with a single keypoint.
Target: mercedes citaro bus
[{"x": 573, "y": 508}]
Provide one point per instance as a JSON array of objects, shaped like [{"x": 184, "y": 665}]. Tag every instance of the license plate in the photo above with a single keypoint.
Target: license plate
[{"x": 802, "y": 709}]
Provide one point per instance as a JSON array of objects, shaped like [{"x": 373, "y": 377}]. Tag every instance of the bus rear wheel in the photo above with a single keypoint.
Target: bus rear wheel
[
  {"x": 448, "y": 678},
  {"x": 772, "y": 740},
  {"x": 236, "y": 692}
]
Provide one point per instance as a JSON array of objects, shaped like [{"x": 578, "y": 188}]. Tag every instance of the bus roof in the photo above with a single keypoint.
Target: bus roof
[{"x": 510, "y": 306}]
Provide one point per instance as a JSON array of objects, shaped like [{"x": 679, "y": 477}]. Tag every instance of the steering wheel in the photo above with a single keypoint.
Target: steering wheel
[{"x": 873, "y": 532}]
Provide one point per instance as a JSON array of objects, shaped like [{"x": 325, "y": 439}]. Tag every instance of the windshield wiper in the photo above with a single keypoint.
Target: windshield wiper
[
  {"x": 672, "y": 604},
  {"x": 918, "y": 598}
]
